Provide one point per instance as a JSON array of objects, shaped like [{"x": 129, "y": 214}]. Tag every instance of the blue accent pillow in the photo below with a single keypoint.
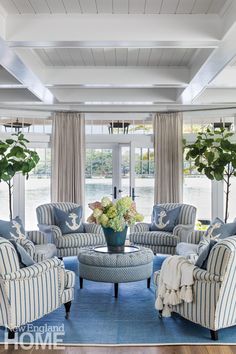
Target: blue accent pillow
[
  {"x": 204, "y": 255},
  {"x": 25, "y": 259},
  {"x": 69, "y": 222},
  {"x": 11, "y": 229},
  {"x": 163, "y": 219},
  {"x": 219, "y": 230}
]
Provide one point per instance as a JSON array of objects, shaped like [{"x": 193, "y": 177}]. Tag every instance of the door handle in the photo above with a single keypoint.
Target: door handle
[
  {"x": 133, "y": 196},
  {"x": 120, "y": 191},
  {"x": 114, "y": 193}
]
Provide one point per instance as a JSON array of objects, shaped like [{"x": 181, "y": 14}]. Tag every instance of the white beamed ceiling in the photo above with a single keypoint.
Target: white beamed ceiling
[
  {"x": 115, "y": 56},
  {"x": 139, "y": 55},
  {"x": 113, "y": 6}
]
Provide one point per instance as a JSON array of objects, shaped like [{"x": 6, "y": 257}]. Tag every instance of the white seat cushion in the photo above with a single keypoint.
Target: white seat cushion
[
  {"x": 186, "y": 249},
  {"x": 45, "y": 251}
]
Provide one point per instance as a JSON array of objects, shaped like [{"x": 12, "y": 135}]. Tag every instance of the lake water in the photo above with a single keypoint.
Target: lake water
[{"x": 197, "y": 191}]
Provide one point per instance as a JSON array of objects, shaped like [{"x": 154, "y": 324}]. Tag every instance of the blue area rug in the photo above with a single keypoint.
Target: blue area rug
[{"x": 98, "y": 318}]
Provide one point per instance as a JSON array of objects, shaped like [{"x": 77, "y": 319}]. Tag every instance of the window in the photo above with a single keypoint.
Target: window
[
  {"x": 197, "y": 191},
  {"x": 4, "y": 204},
  {"x": 37, "y": 187},
  {"x": 144, "y": 181}
]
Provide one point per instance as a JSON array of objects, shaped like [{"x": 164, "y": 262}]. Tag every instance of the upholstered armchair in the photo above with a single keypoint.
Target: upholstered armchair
[
  {"x": 68, "y": 244},
  {"x": 24, "y": 290},
  {"x": 162, "y": 241},
  {"x": 214, "y": 300}
]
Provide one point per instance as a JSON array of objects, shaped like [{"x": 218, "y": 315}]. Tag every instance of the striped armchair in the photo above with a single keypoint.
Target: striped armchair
[
  {"x": 166, "y": 242},
  {"x": 27, "y": 294},
  {"x": 214, "y": 300},
  {"x": 68, "y": 244}
]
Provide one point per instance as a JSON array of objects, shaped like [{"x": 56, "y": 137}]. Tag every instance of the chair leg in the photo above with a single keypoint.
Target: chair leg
[
  {"x": 116, "y": 287},
  {"x": 160, "y": 313},
  {"x": 11, "y": 334},
  {"x": 67, "y": 307},
  {"x": 81, "y": 283},
  {"x": 148, "y": 282},
  {"x": 214, "y": 335}
]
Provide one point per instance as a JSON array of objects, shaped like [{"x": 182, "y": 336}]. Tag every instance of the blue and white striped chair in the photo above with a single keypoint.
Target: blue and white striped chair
[
  {"x": 214, "y": 300},
  {"x": 29, "y": 293},
  {"x": 68, "y": 244},
  {"x": 162, "y": 241}
]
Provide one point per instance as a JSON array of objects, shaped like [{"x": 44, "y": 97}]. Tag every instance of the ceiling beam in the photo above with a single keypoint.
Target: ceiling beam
[
  {"x": 117, "y": 30},
  {"x": 216, "y": 62},
  {"x": 102, "y": 95},
  {"x": 117, "y": 76},
  {"x": 14, "y": 65}
]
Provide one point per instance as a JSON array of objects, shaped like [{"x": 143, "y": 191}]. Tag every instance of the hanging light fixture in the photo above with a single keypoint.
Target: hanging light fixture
[{"x": 17, "y": 125}]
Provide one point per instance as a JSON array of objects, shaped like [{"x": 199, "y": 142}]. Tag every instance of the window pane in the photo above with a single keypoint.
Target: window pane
[
  {"x": 4, "y": 205},
  {"x": 197, "y": 191},
  {"x": 98, "y": 176},
  {"x": 37, "y": 188},
  {"x": 144, "y": 181}
]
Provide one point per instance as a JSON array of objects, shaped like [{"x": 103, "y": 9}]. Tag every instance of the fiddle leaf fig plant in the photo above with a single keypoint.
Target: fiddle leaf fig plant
[
  {"x": 214, "y": 154},
  {"x": 15, "y": 157}
]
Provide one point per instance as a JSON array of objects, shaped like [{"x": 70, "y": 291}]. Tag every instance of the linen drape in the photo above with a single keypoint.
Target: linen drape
[
  {"x": 68, "y": 157},
  {"x": 168, "y": 151}
]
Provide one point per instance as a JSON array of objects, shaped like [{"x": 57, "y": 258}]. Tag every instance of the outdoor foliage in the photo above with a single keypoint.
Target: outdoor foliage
[
  {"x": 15, "y": 157},
  {"x": 214, "y": 155}
]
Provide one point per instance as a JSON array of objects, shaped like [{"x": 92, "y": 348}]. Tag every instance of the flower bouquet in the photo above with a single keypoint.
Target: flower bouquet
[{"x": 114, "y": 219}]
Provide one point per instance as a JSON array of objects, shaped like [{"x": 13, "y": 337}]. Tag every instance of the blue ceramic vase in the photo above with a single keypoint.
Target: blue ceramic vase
[{"x": 115, "y": 239}]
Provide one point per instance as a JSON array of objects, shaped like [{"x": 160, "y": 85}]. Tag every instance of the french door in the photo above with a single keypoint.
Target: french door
[{"x": 118, "y": 170}]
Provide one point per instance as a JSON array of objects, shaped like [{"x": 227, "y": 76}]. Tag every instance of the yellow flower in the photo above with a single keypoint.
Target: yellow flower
[
  {"x": 106, "y": 202},
  {"x": 97, "y": 212},
  {"x": 103, "y": 220},
  {"x": 112, "y": 212}
]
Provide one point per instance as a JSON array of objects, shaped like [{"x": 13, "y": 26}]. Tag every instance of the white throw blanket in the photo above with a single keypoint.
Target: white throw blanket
[{"x": 175, "y": 284}]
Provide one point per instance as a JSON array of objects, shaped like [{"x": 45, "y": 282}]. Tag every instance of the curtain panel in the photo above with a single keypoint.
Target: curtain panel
[
  {"x": 168, "y": 151},
  {"x": 68, "y": 157}
]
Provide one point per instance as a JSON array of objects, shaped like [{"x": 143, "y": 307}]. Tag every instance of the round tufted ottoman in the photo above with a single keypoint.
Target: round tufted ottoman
[{"x": 115, "y": 267}]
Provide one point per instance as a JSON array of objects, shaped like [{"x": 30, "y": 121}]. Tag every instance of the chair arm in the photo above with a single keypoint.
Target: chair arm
[
  {"x": 141, "y": 227},
  {"x": 34, "y": 270},
  {"x": 183, "y": 232},
  {"x": 205, "y": 276},
  {"x": 195, "y": 236},
  {"x": 27, "y": 244},
  {"x": 93, "y": 228},
  {"x": 52, "y": 232},
  {"x": 37, "y": 237}
]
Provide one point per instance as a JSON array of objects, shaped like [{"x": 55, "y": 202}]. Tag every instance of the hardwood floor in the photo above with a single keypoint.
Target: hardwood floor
[{"x": 178, "y": 349}]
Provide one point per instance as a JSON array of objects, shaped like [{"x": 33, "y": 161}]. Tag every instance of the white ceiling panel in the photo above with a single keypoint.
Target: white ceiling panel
[
  {"x": 56, "y": 6},
  {"x": 201, "y": 7},
  {"x": 121, "y": 6},
  {"x": 113, "y": 6},
  {"x": 72, "y": 6},
  {"x": 169, "y": 6},
  {"x": 40, "y": 6},
  {"x": 185, "y": 6},
  {"x": 137, "y": 6},
  {"x": 153, "y": 6},
  {"x": 104, "y": 6},
  {"x": 88, "y": 6},
  {"x": 115, "y": 56}
]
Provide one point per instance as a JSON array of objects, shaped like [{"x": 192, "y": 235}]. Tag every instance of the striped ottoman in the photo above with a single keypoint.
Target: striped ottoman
[{"x": 115, "y": 267}]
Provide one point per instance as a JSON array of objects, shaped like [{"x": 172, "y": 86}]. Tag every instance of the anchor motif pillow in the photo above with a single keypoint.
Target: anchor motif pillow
[
  {"x": 163, "y": 219},
  {"x": 11, "y": 229},
  {"x": 69, "y": 222},
  {"x": 219, "y": 230}
]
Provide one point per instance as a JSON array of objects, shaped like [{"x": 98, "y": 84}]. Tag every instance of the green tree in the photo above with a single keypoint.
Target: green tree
[
  {"x": 215, "y": 155},
  {"x": 15, "y": 157}
]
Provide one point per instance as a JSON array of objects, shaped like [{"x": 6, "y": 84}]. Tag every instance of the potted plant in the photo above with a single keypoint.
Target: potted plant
[
  {"x": 15, "y": 157},
  {"x": 114, "y": 219},
  {"x": 214, "y": 154}
]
